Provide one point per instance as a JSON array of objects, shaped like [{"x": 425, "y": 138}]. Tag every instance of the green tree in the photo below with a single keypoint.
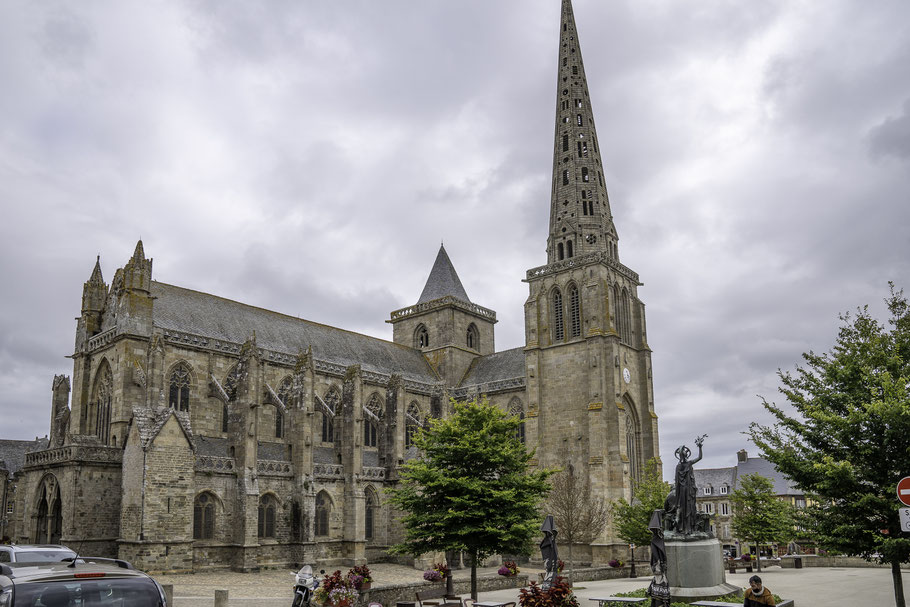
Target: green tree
[
  {"x": 471, "y": 489},
  {"x": 580, "y": 516},
  {"x": 759, "y": 517},
  {"x": 630, "y": 520},
  {"x": 848, "y": 441}
]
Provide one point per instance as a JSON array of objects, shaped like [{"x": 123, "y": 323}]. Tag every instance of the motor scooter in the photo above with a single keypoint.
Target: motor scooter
[{"x": 305, "y": 584}]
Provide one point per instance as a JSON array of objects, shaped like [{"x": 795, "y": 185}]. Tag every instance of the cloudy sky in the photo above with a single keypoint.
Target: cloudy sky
[{"x": 309, "y": 157}]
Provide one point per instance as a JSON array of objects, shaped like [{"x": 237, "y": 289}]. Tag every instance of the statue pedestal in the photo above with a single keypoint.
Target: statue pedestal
[{"x": 695, "y": 568}]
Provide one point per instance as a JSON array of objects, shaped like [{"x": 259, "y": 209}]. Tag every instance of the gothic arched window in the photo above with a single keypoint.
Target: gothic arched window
[
  {"x": 179, "y": 388},
  {"x": 204, "y": 517},
  {"x": 473, "y": 337},
  {"x": 332, "y": 400},
  {"x": 56, "y": 518},
  {"x": 574, "y": 312},
  {"x": 371, "y": 422},
  {"x": 369, "y": 521},
  {"x": 411, "y": 424},
  {"x": 267, "y": 508},
  {"x": 279, "y": 423},
  {"x": 558, "y": 330},
  {"x": 224, "y": 417},
  {"x": 631, "y": 444},
  {"x": 516, "y": 409},
  {"x": 421, "y": 337},
  {"x": 99, "y": 413},
  {"x": 323, "y": 510}
]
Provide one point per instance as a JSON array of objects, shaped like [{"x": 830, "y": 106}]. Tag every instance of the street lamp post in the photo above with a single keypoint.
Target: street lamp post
[{"x": 632, "y": 568}]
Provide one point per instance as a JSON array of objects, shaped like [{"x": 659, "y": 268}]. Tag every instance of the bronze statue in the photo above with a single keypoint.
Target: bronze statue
[{"x": 682, "y": 513}]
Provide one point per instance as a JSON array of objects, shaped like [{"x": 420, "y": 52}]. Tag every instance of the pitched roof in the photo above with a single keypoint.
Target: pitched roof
[
  {"x": 714, "y": 477},
  {"x": 150, "y": 421},
  {"x": 508, "y": 364},
  {"x": 216, "y": 318},
  {"x": 12, "y": 453},
  {"x": 443, "y": 280},
  {"x": 758, "y": 465}
]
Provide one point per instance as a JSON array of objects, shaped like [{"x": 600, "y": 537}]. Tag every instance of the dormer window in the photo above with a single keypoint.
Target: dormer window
[
  {"x": 723, "y": 490},
  {"x": 708, "y": 490}
]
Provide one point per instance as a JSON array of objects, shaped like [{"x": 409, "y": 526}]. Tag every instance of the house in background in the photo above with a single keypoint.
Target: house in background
[{"x": 716, "y": 485}]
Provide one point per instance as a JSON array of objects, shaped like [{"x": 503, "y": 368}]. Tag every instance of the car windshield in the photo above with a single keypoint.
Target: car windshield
[
  {"x": 94, "y": 592},
  {"x": 43, "y": 556}
]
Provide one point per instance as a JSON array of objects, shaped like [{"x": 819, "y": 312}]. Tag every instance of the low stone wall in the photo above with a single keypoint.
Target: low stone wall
[
  {"x": 836, "y": 561},
  {"x": 591, "y": 574},
  {"x": 390, "y": 594}
]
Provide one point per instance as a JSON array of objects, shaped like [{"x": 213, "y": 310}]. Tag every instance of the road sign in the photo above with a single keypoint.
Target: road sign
[
  {"x": 905, "y": 519},
  {"x": 903, "y": 490}
]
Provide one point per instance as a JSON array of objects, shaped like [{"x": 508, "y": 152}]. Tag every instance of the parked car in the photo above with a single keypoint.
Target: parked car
[
  {"x": 34, "y": 553},
  {"x": 84, "y": 581}
]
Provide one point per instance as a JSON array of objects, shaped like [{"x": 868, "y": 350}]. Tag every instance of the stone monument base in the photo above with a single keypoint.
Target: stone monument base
[{"x": 695, "y": 568}]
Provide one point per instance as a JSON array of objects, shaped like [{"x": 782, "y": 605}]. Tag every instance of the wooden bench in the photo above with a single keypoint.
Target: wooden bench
[
  {"x": 427, "y": 597},
  {"x": 632, "y": 600},
  {"x": 733, "y": 565}
]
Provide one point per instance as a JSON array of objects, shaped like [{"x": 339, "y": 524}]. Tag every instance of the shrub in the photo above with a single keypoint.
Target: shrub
[{"x": 558, "y": 595}]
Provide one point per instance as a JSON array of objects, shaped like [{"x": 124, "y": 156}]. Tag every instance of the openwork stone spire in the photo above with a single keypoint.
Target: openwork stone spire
[{"x": 580, "y": 217}]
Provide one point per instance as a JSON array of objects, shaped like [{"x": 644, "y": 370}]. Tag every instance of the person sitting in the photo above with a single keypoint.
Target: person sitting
[{"x": 757, "y": 595}]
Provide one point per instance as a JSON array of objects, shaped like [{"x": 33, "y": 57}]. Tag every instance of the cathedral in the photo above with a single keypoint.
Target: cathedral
[{"x": 200, "y": 432}]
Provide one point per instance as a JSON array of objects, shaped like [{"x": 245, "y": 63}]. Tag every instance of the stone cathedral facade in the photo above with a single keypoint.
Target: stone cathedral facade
[{"x": 201, "y": 432}]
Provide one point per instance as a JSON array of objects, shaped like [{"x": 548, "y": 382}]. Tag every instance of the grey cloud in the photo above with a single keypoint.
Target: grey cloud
[{"x": 892, "y": 136}]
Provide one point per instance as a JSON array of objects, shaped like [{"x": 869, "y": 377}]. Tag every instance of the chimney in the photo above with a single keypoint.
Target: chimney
[{"x": 741, "y": 456}]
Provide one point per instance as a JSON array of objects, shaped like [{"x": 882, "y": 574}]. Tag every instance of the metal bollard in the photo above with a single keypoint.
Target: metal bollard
[
  {"x": 221, "y": 598},
  {"x": 168, "y": 594}
]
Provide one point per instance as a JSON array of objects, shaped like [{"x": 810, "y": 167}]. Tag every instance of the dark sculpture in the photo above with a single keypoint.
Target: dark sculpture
[
  {"x": 681, "y": 513},
  {"x": 659, "y": 588},
  {"x": 548, "y": 552}
]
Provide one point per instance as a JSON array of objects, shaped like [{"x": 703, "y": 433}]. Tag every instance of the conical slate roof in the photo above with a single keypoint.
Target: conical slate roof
[{"x": 443, "y": 280}]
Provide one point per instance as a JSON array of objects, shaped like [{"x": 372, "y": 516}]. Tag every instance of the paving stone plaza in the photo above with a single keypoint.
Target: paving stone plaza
[{"x": 809, "y": 587}]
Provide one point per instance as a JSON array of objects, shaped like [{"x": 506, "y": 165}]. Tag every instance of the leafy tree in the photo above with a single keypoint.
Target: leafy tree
[
  {"x": 849, "y": 439},
  {"x": 630, "y": 520},
  {"x": 759, "y": 517},
  {"x": 471, "y": 489},
  {"x": 580, "y": 516}
]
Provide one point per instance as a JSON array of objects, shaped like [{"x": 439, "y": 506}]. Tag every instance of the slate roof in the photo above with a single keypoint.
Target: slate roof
[
  {"x": 213, "y": 446},
  {"x": 753, "y": 465},
  {"x": 443, "y": 280},
  {"x": 507, "y": 364},
  {"x": 716, "y": 478},
  {"x": 12, "y": 453},
  {"x": 272, "y": 451},
  {"x": 188, "y": 311},
  {"x": 150, "y": 421}
]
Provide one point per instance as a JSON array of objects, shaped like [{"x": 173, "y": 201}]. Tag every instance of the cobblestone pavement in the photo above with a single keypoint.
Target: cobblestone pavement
[
  {"x": 837, "y": 587},
  {"x": 275, "y": 586}
]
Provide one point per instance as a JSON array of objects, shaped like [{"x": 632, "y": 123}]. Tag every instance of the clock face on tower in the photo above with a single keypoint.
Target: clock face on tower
[{"x": 626, "y": 374}]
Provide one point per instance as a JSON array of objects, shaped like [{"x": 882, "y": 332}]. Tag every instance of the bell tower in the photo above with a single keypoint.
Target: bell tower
[{"x": 588, "y": 363}]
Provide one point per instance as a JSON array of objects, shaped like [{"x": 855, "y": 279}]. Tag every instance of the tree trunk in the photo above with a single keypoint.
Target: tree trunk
[
  {"x": 473, "y": 575},
  {"x": 758, "y": 555},
  {"x": 571, "y": 565},
  {"x": 898, "y": 585},
  {"x": 450, "y": 582}
]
